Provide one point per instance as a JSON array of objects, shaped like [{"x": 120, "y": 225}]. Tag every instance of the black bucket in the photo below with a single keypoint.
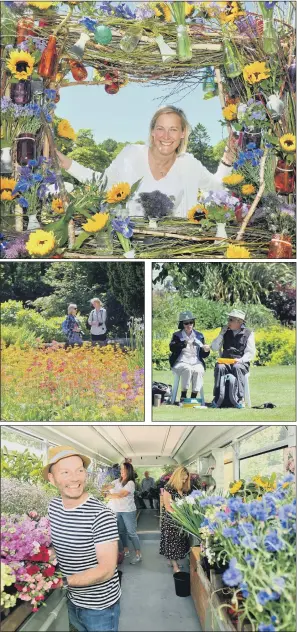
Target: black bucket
[
  {"x": 120, "y": 573},
  {"x": 182, "y": 584}
]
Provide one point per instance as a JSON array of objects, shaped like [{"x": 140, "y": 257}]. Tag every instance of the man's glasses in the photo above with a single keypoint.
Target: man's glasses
[
  {"x": 188, "y": 322},
  {"x": 232, "y": 320}
]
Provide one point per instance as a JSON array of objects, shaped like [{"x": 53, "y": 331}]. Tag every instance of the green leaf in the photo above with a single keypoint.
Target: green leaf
[
  {"x": 80, "y": 240},
  {"x": 37, "y": 56},
  {"x": 237, "y": 126},
  {"x": 135, "y": 186},
  {"x": 35, "y": 75},
  {"x": 60, "y": 230}
]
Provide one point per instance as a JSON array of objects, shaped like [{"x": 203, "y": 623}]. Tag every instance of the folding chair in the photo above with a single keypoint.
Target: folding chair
[{"x": 175, "y": 389}]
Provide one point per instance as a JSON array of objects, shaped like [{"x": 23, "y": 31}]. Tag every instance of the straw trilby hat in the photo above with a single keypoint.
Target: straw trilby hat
[
  {"x": 237, "y": 313},
  {"x": 58, "y": 452}
]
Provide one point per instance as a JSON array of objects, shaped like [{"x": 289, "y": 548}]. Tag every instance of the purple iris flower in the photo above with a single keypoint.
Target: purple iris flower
[
  {"x": 23, "y": 202},
  {"x": 269, "y": 5},
  {"x": 123, "y": 226},
  {"x": 89, "y": 23},
  {"x": 123, "y": 10}
]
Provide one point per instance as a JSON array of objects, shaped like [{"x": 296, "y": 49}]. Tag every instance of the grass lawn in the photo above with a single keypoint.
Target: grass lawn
[{"x": 267, "y": 384}]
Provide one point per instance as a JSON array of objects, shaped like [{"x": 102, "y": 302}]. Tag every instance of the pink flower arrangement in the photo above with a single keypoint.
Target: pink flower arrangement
[{"x": 25, "y": 542}]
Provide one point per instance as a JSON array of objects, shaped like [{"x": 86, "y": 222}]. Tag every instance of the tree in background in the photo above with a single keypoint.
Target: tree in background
[
  {"x": 199, "y": 145},
  {"x": 90, "y": 154},
  {"x": 23, "y": 281},
  {"x": 127, "y": 284}
]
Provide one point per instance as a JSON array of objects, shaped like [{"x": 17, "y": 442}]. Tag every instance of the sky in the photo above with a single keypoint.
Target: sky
[{"x": 125, "y": 116}]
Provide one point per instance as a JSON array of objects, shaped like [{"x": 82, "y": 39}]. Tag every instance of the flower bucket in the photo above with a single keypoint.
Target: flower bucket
[
  {"x": 280, "y": 247},
  {"x": 26, "y": 148},
  {"x": 221, "y": 232},
  {"x": 6, "y": 160},
  {"x": 182, "y": 584},
  {"x": 251, "y": 137},
  {"x": 284, "y": 178}
]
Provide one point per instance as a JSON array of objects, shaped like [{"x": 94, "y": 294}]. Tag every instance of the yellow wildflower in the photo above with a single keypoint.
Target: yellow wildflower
[
  {"x": 237, "y": 252},
  {"x": 118, "y": 192},
  {"x": 230, "y": 112},
  {"x": 66, "y": 130},
  {"x": 197, "y": 213},
  {"x": 21, "y": 64},
  {"x": 96, "y": 223},
  {"x": 233, "y": 180},
  {"x": 235, "y": 487},
  {"x": 40, "y": 243},
  {"x": 57, "y": 205},
  {"x": 248, "y": 189},
  {"x": 189, "y": 9},
  {"x": 42, "y": 6},
  {"x": 117, "y": 411},
  {"x": 256, "y": 72},
  {"x": 288, "y": 143},
  {"x": 6, "y": 187}
]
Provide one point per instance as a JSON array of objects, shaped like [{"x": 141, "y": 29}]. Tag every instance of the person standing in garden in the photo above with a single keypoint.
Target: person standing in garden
[
  {"x": 174, "y": 544},
  {"x": 187, "y": 355},
  {"x": 121, "y": 499},
  {"x": 72, "y": 327},
  {"x": 235, "y": 341},
  {"x": 85, "y": 539},
  {"x": 97, "y": 322}
]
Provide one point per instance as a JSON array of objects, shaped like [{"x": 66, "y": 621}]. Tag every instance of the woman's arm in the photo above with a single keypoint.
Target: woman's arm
[
  {"x": 122, "y": 494},
  {"x": 79, "y": 172},
  {"x": 90, "y": 319},
  {"x": 167, "y": 500}
]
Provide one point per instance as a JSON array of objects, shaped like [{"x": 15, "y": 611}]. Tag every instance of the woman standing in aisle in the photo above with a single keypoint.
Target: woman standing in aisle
[{"x": 174, "y": 544}]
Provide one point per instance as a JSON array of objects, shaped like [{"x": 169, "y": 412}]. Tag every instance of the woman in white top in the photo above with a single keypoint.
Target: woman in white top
[
  {"x": 163, "y": 166},
  {"x": 97, "y": 322},
  {"x": 121, "y": 501}
]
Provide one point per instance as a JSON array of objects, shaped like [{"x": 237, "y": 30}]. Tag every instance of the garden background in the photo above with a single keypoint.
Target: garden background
[
  {"x": 43, "y": 382},
  {"x": 267, "y": 293}
]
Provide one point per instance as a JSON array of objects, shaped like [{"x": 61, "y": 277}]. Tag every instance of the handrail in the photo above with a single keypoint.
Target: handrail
[{"x": 53, "y": 615}]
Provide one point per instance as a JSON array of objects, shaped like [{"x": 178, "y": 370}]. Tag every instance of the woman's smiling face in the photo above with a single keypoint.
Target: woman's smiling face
[{"x": 167, "y": 133}]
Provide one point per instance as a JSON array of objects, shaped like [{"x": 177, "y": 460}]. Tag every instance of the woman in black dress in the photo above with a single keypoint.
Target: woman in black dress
[{"x": 174, "y": 543}]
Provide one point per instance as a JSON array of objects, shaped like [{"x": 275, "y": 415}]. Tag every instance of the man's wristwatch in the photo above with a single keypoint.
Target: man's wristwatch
[{"x": 65, "y": 582}]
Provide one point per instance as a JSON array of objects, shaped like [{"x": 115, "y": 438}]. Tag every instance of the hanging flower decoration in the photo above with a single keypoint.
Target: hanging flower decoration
[
  {"x": 197, "y": 213},
  {"x": 57, "y": 205},
  {"x": 237, "y": 252},
  {"x": 6, "y": 187},
  {"x": 21, "y": 64},
  {"x": 288, "y": 143},
  {"x": 248, "y": 189},
  {"x": 40, "y": 243},
  {"x": 230, "y": 112},
  {"x": 65, "y": 130},
  {"x": 256, "y": 72},
  {"x": 233, "y": 180},
  {"x": 118, "y": 192},
  {"x": 96, "y": 223}
]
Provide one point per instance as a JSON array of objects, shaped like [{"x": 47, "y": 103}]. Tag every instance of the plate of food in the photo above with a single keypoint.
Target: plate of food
[{"x": 226, "y": 360}]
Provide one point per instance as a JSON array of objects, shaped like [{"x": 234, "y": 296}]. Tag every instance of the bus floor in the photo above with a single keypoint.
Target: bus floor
[{"x": 149, "y": 602}]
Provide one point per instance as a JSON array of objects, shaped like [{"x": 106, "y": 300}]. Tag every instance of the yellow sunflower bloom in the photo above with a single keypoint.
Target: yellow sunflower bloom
[
  {"x": 42, "y": 6},
  {"x": 189, "y": 9},
  {"x": 6, "y": 187},
  {"x": 248, "y": 189},
  {"x": 256, "y": 72},
  {"x": 230, "y": 11},
  {"x": 162, "y": 10},
  {"x": 65, "y": 130},
  {"x": 21, "y": 64},
  {"x": 237, "y": 252},
  {"x": 118, "y": 192},
  {"x": 57, "y": 206},
  {"x": 40, "y": 243},
  {"x": 5, "y": 196},
  {"x": 288, "y": 143},
  {"x": 233, "y": 180},
  {"x": 197, "y": 213},
  {"x": 230, "y": 112},
  {"x": 236, "y": 487},
  {"x": 96, "y": 223}
]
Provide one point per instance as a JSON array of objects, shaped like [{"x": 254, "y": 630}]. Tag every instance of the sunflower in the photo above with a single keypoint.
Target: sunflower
[
  {"x": 256, "y": 72},
  {"x": 6, "y": 187},
  {"x": 40, "y": 243},
  {"x": 288, "y": 143},
  {"x": 65, "y": 130},
  {"x": 96, "y": 223},
  {"x": 233, "y": 180},
  {"x": 197, "y": 213},
  {"x": 230, "y": 12},
  {"x": 57, "y": 205},
  {"x": 118, "y": 192},
  {"x": 235, "y": 487},
  {"x": 162, "y": 10},
  {"x": 248, "y": 189},
  {"x": 189, "y": 9},
  {"x": 42, "y": 6},
  {"x": 230, "y": 112},
  {"x": 237, "y": 252},
  {"x": 21, "y": 64}
]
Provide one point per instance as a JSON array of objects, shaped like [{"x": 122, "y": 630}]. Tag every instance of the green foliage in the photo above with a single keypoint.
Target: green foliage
[
  {"x": 9, "y": 311},
  {"x": 23, "y": 282},
  {"x": 127, "y": 284},
  {"x": 19, "y": 336},
  {"x": 24, "y": 466},
  {"x": 199, "y": 146}
]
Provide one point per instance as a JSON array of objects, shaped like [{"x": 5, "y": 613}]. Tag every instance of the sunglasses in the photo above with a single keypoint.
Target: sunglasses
[
  {"x": 232, "y": 319},
  {"x": 188, "y": 322}
]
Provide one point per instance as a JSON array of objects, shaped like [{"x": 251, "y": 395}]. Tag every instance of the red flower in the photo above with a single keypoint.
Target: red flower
[
  {"x": 19, "y": 587},
  {"x": 42, "y": 556},
  {"x": 32, "y": 569},
  {"x": 49, "y": 571},
  {"x": 34, "y": 609},
  {"x": 39, "y": 598}
]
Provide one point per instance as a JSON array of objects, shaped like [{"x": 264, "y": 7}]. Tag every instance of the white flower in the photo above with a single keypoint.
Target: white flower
[{"x": 190, "y": 500}]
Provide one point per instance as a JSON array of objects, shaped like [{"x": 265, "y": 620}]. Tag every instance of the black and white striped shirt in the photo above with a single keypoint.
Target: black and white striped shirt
[{"x": 74, "y": 533}]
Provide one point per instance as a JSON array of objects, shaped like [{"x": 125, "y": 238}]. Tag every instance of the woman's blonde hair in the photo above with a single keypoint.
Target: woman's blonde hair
[
  {"x": 92, "y": 301},
  {"x": 71, "y": 306},
  {"x": 186, "y": 128},
  {"x": 176, "y": 479}
]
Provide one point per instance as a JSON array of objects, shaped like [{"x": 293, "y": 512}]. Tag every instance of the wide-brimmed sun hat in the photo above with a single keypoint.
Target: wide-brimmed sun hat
[
  {"x": 58, "y": 452},
  {"x": 185, "y": 316},
  {"x": 237, "y": 313}
]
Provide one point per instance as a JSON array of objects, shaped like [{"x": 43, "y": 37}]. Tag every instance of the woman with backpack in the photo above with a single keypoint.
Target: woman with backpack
[
  {"x": 97, "y": 322},
  {"x": 72, "y": 328}
]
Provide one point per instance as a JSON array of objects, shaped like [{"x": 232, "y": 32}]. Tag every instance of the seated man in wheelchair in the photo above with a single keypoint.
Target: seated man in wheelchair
[
  {"x": 236, "y": 344},
  {"x": 187, "y": 355}
]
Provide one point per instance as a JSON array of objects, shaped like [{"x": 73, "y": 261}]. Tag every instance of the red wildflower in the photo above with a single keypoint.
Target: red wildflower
[
  {"x": 42, "y": 556},
  {"x": 39, "y": 598},
  {"x": 49, "y": 571},
  {"x": 32, "y": 569}
]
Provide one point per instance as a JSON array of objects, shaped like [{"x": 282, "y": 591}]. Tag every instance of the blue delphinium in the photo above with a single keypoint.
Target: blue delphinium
[
  {"x": 244, "y": 589},
  {"x": 246, "y": 528},
  {"x": 287, "y": 516},
  {"x": 266, "y": 627},
  {"x": 257, "y": 510},
  {"x": 231, "y": 532},
  {"x": 270, "y": 5},
  {"x": 195, "y": 493},
  {"x": 89, "y": 23},
  {"x": 232, "y": 576},
  {"x": 263, "y": 597},
  {"x": 250, "y": 541},
  {"x": 272, "y": 542}
]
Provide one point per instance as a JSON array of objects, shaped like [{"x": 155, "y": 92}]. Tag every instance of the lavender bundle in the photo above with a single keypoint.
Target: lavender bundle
[{"x": 156, "y": 204}]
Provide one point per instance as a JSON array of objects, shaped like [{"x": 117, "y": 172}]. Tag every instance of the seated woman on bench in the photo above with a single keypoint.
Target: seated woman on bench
[{"x": 187, "y": 355}]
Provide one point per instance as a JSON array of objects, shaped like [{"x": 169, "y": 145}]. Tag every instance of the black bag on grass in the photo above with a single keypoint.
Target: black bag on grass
[
  {"x": 228, "y": 396},
  {"x": 165, "y": 390}
]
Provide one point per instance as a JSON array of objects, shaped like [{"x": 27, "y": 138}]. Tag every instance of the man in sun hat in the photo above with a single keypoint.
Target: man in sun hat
[
  {"x": 234, "y": 341},
  {"x": 85, "y": 538},
  {"x": 187, "y": 355}
]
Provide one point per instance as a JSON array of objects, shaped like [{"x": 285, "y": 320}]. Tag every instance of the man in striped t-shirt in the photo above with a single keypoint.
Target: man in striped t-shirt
[{"x": 85, "y": 538}]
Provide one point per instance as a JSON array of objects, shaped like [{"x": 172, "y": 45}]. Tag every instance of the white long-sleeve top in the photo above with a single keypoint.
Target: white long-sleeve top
[
  {"x": 250, "y": 350},
  {"x": 97, "y": 320},
  {"x": 183, "y": 180}
]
